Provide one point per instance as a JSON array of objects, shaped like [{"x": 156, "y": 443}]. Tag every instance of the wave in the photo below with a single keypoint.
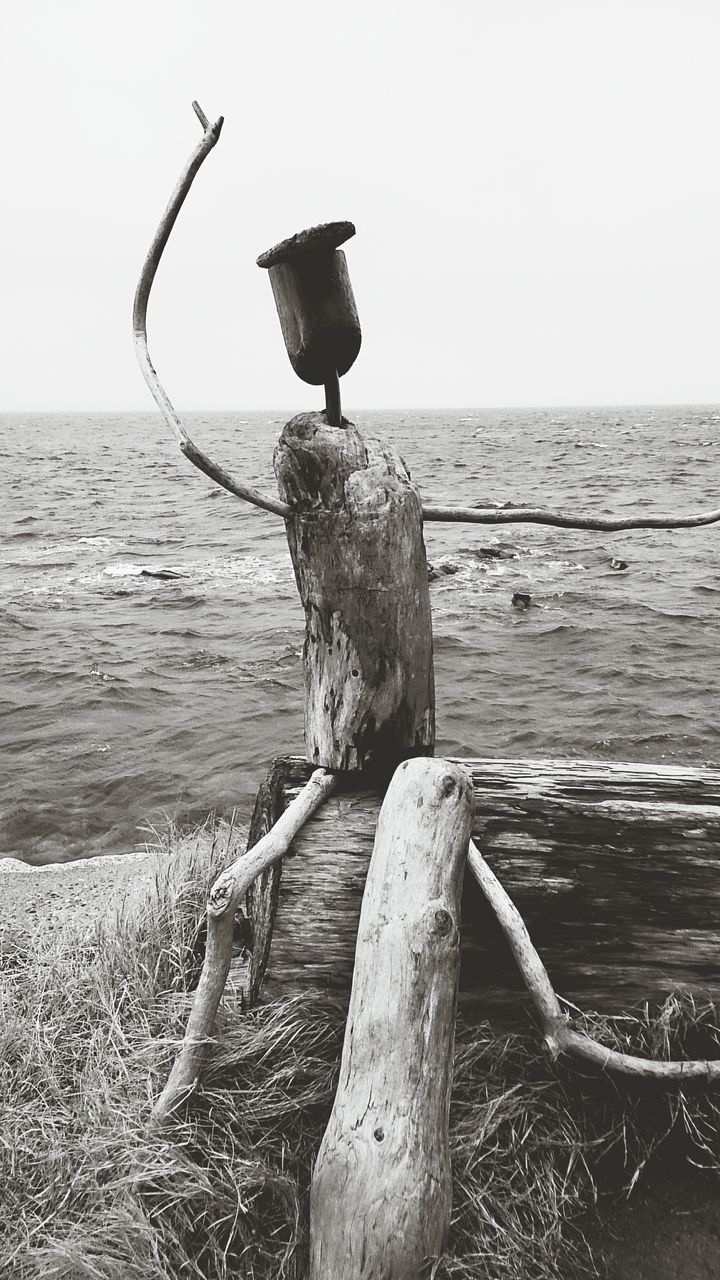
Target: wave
[
  {"x": 202, "y": 661},
  {"x": 588, "y": 667},
  {"x": 13, "y": 620},
  {"x": 247, "y": 569}
]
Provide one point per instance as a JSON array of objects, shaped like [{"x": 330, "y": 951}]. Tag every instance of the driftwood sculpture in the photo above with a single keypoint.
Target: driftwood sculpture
[{"x": 354, "y": 524}]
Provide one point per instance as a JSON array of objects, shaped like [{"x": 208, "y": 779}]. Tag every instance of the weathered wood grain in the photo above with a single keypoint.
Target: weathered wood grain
[
  {"x": 614, "y": 867},
  {"x": 313, "y": 240},
  {"x": 227, "y": 892},
  {"x": 356, "y": 543},
  {"x": 381, "y": 1190}
]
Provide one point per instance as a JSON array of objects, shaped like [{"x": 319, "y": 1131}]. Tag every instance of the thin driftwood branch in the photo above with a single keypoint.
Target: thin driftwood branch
[
  {"x": 559, "y": 1036},
  {"x": 211, "y": 133},
  {"x": 513, "y": 926},
  {"x": 229, "y": 888},
  {"x": 562, "y": 520}
]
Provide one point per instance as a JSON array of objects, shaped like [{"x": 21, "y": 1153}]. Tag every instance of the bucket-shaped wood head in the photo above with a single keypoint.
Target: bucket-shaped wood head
[{"x": 315, "y": 302}]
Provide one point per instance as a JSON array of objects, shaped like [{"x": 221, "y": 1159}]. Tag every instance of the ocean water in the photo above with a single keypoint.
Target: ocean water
[{"x": 151, "y": 633}]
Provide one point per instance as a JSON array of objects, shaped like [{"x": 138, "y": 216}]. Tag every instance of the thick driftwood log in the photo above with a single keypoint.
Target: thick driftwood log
[
  {"x": 615, "y": 869},
  {"x": 356, "y": 543},
  {"x": 381, "y": 1191}
]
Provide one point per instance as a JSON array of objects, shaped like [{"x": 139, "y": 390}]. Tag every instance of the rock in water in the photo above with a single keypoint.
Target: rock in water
[{"x": 521, "y": 600}]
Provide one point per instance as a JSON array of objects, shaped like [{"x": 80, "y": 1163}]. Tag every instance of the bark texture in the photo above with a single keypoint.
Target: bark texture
[
  {"x": 262, "y": 896},
  {"x": 380, "y": 1197},
  {"x": 356, "y": 542}
]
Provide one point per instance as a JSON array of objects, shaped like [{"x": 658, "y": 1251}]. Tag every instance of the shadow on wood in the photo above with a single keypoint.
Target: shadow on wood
[{"x": 613, "y": 866}]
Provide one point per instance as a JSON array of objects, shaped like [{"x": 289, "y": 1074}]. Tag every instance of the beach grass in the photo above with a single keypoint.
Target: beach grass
[{"x": 88, "y": 1030}]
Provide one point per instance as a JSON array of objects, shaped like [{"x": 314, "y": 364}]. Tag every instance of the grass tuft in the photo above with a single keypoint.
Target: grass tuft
[{"x": 88, "y": 1030}]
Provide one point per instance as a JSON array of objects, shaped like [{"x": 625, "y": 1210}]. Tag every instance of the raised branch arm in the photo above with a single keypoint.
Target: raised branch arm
[
  {"x": 560, "y": 1037},
  {"x": 211, "y": 133},
  {"x": 538, "y": 515}
]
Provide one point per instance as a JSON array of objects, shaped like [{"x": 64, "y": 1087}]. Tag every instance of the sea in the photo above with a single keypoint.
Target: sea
[{"x": 151, "y": 633}]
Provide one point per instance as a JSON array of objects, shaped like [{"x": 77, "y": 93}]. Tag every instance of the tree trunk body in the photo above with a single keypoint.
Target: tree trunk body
[
  {"x": 380, "y": 1198},
  {"x": 357, "y": 547}
]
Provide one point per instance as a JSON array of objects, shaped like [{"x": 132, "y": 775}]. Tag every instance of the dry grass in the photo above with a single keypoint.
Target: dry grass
[
  {"x": 87, "y": 1033},
  {"x": 632, "y": 1122}
]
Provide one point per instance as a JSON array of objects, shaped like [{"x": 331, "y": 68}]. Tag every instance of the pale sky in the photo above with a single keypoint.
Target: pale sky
[{"x": 535, "y": 186}]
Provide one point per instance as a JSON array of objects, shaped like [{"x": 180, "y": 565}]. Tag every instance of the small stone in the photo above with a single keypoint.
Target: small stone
[{"x": 443, "y": 568}]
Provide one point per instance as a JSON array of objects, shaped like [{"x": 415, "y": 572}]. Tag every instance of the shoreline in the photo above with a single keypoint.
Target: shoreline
[{"x": 73, "y": 895}]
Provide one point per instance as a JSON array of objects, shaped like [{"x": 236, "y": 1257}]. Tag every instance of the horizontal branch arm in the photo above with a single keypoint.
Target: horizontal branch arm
[
  {"x": 559, "y": 1036},
  {"x": 225, "y": 896},
  {"x": 211, "y": 133},
  {"x": 563, "y": 520}
]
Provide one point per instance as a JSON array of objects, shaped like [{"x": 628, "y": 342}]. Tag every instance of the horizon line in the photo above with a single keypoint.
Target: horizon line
[{"x": 406, "y": 408}]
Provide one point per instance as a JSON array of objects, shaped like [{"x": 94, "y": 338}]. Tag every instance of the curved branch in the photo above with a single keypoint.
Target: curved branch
[
  {"x": 559, "y": 1036},
  {"x": 538, "y": 515},
  {"x": 224, "y": 897},
  {"x": 211, "y": 133}
]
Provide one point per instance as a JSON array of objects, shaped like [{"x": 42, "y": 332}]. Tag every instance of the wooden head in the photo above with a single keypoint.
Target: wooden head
[{"x": 315, "y": 302}]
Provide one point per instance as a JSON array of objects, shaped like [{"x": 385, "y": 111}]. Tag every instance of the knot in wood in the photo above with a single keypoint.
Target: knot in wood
[
  {"x": 219, "y": 897},
  {"x": 443, "y": 923},
  {"x": 448, "y": 784}
]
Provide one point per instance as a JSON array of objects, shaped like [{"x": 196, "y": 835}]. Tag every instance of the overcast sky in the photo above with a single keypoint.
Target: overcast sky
[{"x": 535, "y": 186}]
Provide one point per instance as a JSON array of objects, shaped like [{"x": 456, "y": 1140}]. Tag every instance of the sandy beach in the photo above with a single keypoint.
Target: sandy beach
[{"x": 76, "y": 895}]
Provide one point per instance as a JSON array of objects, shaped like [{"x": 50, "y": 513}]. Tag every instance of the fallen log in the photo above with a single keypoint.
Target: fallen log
[{"x": 614, "y": 868}]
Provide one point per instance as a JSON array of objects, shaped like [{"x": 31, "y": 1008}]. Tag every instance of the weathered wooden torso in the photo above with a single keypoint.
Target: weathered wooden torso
[
  {"x": 356, "y": 543},
  {"x": 615, "y": 868}
]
